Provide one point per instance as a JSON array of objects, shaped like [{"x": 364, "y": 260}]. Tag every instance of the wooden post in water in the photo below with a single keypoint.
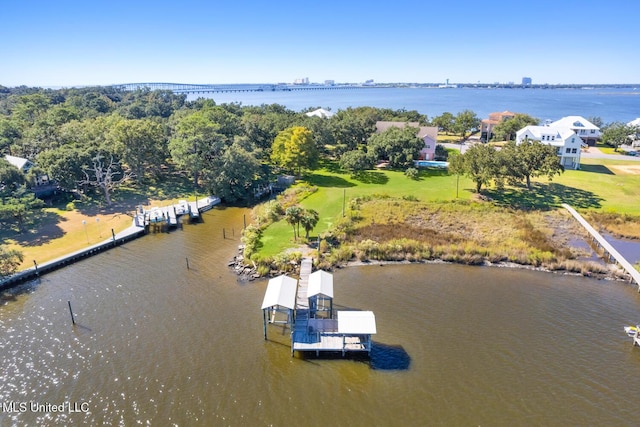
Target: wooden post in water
[
  {"x": 73, "y": 320},
  {"x": 264, "y": 322},
  {"x": 244, "y": 220},
  {"x": 223, "y": 234},
  {"x": 188, "y": 264}
]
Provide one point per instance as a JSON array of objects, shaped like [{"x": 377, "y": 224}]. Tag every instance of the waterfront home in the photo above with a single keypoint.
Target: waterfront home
[
  {"x": 428, "y": 134},
  {"x": 487, "y": 125},
  {"x": 587, "y": 131},
  {"x": 21, "y": 163},
  {"x": 25, "y": 165},
  {"x": 566, "y": 141}
]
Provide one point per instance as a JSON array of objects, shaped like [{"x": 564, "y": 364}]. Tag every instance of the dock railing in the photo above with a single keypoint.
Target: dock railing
[{"x": 635, "y": 274}]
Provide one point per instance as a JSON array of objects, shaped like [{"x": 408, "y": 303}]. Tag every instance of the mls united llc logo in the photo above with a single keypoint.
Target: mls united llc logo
[{"x": 66, "y": 407}]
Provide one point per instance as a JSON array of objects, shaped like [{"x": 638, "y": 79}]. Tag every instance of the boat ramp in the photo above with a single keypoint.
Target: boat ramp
[{"x": 306, "y": 307}]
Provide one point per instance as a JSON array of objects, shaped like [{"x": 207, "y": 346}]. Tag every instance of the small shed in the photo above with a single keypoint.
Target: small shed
[
  {"x": 320, "y": 293},
  {"x": 279, "y": 301}
]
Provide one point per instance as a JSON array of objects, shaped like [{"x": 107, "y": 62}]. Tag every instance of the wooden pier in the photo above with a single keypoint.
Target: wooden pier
[
  {"x": 163, "y": 217},
  {"x": 601, "y": 242},
  {"x": 311, "y": 329},
  {"x": 137, "y": 229}
]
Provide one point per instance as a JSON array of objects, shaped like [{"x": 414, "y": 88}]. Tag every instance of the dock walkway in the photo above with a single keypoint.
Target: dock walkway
[{"x": 626, "y": 265}]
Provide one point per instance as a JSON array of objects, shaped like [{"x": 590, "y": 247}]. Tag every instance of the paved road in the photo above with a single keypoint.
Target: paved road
[{"x": 591, "y": 153}]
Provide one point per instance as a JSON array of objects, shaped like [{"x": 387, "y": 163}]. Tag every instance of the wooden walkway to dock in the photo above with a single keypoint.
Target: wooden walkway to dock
[
  {"x": 302, "y": 301},
  {"x": 626, "y": 265}
]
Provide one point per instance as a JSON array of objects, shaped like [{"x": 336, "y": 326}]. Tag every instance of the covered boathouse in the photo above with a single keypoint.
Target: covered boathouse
[{"x": 314, "y": 325}]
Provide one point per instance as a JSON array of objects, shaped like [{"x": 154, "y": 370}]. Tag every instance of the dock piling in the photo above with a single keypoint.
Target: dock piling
[
  {"x": 188, "y": 264},
  {"x": 73, "y": 320}
]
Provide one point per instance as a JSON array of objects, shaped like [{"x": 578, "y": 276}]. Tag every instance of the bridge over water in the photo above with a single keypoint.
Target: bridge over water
[{"x": 211, "y": 88}]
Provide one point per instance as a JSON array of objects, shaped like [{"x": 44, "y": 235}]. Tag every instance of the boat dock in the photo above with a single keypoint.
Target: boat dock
[
  {"x": 601, "y": 242},
  {"x": 306, "y": 305},
  {"x": 137, "y": 229},
  {"x": 168, "y": 215}
]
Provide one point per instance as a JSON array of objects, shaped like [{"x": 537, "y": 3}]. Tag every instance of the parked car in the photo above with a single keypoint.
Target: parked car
[{"x": 632, "y": 153}]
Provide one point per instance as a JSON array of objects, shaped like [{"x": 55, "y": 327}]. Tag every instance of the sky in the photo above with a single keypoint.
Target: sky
[{"x": 67, "y": 43}]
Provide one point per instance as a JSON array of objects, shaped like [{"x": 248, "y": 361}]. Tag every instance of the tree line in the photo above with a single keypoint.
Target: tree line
[{"x": 98, "y": 138}]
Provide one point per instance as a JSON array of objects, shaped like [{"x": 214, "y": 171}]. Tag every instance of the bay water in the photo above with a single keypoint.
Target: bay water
[
  {"x": 157, "y": 343},
  {"x": 610, "y": 104}
]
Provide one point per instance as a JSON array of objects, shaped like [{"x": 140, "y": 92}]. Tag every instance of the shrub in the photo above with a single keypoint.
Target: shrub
[{"x": 412, "y": 173}]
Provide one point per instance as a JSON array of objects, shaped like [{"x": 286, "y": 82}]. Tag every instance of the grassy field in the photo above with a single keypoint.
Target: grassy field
[
  {"x": 601, "y": 185},
  {"x": 336, "y": 190}
]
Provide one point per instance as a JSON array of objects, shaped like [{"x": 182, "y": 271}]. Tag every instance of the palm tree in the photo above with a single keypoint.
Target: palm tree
[
  {"x": 292, "y": 215},
  {"x": 309, "y": 219}
]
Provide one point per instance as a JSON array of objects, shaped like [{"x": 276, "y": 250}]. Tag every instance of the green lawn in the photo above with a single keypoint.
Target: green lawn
[
  {"x": 336, "y": 189},
  {"x": 607, "y": 149},
  {"x": 596, "y": 186}
]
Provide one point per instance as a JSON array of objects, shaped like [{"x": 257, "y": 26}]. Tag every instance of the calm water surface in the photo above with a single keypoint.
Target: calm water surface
[
  {"x": 545, "y": 104},
  {"x": 162, "y": 345}
]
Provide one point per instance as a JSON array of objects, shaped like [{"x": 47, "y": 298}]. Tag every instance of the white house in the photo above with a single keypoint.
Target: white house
[
  {"x": 21, "y": 163},
  {"x": 320, "y": 112},
  {"x": 636, "y": 135},
  {"x": 25, "y": 166},
  {"x": 587, "y": 131},
  {"x": 567, "y": 142}
]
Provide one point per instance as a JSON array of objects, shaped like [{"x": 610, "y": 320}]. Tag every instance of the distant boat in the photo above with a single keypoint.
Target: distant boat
[{"x": 632, "y": 331}]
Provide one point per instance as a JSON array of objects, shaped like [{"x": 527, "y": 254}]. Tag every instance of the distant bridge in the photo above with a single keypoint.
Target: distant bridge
[{"x": 210, "y": 88}]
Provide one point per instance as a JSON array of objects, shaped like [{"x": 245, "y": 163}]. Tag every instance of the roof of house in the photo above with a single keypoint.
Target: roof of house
[
  {"x": 635, "y": 122},
  {"x": 356, "y": 322},
  {"x": 281, "y": 291},
  {"x": 500, "y": 115},
  {"x": 383, "y": 126},
  {"x": 573, "y": 122},
  {"x": 320, "y": 283},
  {"x": 320, "y": 112},
  {"x": 18, "y": 162},
  {"x": 560, "y": 134},
  {"x": 423, "y": 131}
]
